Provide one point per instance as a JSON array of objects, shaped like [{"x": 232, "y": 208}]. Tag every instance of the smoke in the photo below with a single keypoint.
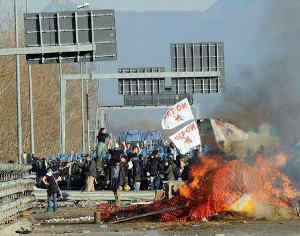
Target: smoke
[
  {"x": 270, "y": 90},
  {"x": 140, "y": 122}
]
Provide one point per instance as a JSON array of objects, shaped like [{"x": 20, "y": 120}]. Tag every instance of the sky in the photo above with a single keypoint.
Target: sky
[
  {"x": 145, "y": 30},
  {"x": 139, "y": 5}
]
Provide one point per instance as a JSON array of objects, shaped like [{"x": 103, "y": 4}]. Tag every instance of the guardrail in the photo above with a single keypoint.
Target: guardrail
[
  {"x": 15, "y": 191},
  {"x": 41, "y": 194}
]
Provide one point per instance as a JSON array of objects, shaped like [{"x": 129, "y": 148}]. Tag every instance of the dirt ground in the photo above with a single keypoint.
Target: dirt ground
[{"x": 220, "y": 226}]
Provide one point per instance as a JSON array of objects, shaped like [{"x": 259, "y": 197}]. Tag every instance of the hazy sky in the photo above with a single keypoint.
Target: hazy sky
[
  {"x": 138, "y": 5},
  {"x": 235, "y": 22}
]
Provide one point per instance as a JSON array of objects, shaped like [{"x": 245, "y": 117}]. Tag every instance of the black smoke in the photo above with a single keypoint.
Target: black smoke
[{"x": 270, "y": 90}]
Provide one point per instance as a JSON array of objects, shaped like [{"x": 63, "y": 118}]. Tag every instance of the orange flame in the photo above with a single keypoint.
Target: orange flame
[{"x": 215, "y": 185}]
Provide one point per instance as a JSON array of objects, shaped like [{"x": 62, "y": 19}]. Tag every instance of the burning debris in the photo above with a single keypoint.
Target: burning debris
[{"x": 216, "y": 186}]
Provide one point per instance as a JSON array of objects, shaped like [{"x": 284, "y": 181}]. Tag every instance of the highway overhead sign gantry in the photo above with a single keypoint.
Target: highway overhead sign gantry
[{"x": 71, "y": 28}]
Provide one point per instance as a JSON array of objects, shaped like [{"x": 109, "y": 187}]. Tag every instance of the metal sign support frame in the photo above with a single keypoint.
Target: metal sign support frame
[
  {"x": 156, "y": 75},
  {"x": 36, "y": 50}
]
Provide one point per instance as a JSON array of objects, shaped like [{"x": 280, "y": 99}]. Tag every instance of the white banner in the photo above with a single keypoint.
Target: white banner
[
  {"x": 177, "y": 115},
  {"x": 226, "y": 131},
  {"x": 187, "y": 138}
]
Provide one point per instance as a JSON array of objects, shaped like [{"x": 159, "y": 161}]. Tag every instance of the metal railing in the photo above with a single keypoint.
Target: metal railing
[{"x": 15, "y": 191}]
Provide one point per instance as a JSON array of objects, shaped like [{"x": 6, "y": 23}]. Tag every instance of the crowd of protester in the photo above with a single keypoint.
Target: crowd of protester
[
  {"x": 127, "y": 168},
  {"x": 119, "y": 166}
]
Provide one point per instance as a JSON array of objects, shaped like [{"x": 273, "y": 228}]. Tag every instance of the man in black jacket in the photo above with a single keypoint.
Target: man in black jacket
[
  {"x": 52, "y": 189},
  {"x": 136, "y": 150},
  {"x": 137, "y": 173},
  {"x": 90, "y": 174},
  {"x": 153, "y": 164},
  {"x": 154, "y": 168}
]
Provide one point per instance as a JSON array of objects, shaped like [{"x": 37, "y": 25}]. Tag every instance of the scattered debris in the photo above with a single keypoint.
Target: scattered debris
[{"x": 148, "y": 214}]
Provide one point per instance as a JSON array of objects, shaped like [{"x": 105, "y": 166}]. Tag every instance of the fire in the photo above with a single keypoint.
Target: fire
[
  {"x": 216, "y": 186},
  {"x": 197, "y": 175}
]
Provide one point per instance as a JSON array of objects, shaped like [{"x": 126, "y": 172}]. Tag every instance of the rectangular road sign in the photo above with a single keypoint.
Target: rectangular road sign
[
  {"x": 163, "y": 99},
  {"x": 134, "y": 86},
  {"x": 197, "y": 85},
  {"x": 198, "y": 57},
  {"x": 204, "y": 56},
  {"x": 71, "y": 28}
]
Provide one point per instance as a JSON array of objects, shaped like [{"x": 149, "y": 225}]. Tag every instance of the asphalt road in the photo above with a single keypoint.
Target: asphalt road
[{"x": 251, "y": 228}]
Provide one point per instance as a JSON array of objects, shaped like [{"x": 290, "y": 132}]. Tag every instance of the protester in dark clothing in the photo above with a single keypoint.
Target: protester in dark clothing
[
  {"x": 102, "y": 135},
  {"x": 91, "y": 167},
  {"x": 153, "y": 164},
  {"x": 114, "y": 181},
  {"x": 90, "y": 173},
  {"x": 123, "y": 178},
  {"x": 115, "y": 154},
  {"x": 170, "y": 169},
  {"x": 136, "y": 151},
  {"x": 144, "y": 181},
  {"x": 44, "y": 167},
  {"x": 137, "y": 172},
  {"x": 52, "y": 189},
  {"x": 153, "y": 167},
  {"x": 130, "y": 156}
]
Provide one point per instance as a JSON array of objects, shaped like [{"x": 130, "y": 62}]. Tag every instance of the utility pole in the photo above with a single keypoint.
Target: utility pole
[{"x": 18, "y": 88}]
